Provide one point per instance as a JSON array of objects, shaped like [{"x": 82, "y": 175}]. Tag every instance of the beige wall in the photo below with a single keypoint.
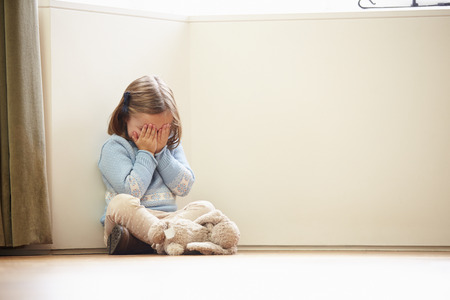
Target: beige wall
[
  {"x": 327, "y": 131},
  {"x": 323, "y": 130},
  {"x": 91, "y": 58}
]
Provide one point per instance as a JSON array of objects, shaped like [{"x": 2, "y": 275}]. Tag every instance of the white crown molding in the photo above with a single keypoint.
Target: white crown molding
[{"x": 55, "y": 4}]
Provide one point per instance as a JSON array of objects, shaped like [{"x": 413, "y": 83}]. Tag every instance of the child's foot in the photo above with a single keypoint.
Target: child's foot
[
  {"x": 121, "y": 241},
  {"x": 117, "y": 240}
]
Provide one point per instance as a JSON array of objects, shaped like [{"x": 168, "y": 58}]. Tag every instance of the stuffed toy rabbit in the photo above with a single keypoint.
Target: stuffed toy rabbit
[{"x": 212, "y": 233}]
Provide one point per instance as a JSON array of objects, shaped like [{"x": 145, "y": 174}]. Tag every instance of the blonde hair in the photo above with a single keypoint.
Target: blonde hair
[{"x": 149, "y": 95}]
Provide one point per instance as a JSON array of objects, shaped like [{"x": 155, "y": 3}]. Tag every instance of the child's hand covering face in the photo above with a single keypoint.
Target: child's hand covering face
[
  {"x": 150, "y": 132},
  {"x": 147, "y": 139},
  {"x": 162, "y": 137}
]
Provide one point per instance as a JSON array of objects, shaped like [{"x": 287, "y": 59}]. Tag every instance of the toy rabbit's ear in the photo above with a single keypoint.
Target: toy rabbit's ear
[
  {"x": 209, "y": 248},
  {"x": 214, "y": 217}
]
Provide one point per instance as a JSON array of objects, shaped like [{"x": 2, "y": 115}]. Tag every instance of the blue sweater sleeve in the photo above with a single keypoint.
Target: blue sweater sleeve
[
  {"x": 124, "y": 170},
  {"x": 175, "y": 170}
]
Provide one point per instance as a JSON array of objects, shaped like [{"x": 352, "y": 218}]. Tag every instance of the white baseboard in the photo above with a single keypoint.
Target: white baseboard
[
  {"x": 45, "y": 250},
  {"x": 347, "y": 248}
]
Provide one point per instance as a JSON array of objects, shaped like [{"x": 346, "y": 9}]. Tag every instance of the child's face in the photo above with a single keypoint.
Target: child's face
[{"x": 138, "y": 120}]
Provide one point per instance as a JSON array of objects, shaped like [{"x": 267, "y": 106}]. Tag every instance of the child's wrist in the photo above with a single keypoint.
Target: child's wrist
[{"x": 147, "y": 150}]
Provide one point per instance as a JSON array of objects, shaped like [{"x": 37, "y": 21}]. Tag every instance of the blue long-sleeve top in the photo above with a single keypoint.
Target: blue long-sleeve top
[{"x": 155, "y": 180}]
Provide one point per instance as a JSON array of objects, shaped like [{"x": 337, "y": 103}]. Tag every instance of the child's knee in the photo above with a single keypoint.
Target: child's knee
[{"x": 122, "y": 202}]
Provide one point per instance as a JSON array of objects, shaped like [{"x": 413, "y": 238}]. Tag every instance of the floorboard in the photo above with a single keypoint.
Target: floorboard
[{"x": 247, "y": 275}]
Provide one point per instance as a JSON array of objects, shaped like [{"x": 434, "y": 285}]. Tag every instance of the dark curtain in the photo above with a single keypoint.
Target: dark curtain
[{"x": 24, "y": 207}]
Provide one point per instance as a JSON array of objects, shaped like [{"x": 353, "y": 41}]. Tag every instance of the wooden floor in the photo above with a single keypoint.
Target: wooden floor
[{"x": 247, "y": 275}]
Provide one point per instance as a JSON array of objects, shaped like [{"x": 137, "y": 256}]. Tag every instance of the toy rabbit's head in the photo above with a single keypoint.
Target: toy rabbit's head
[{"x": 223, "y": 234}]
